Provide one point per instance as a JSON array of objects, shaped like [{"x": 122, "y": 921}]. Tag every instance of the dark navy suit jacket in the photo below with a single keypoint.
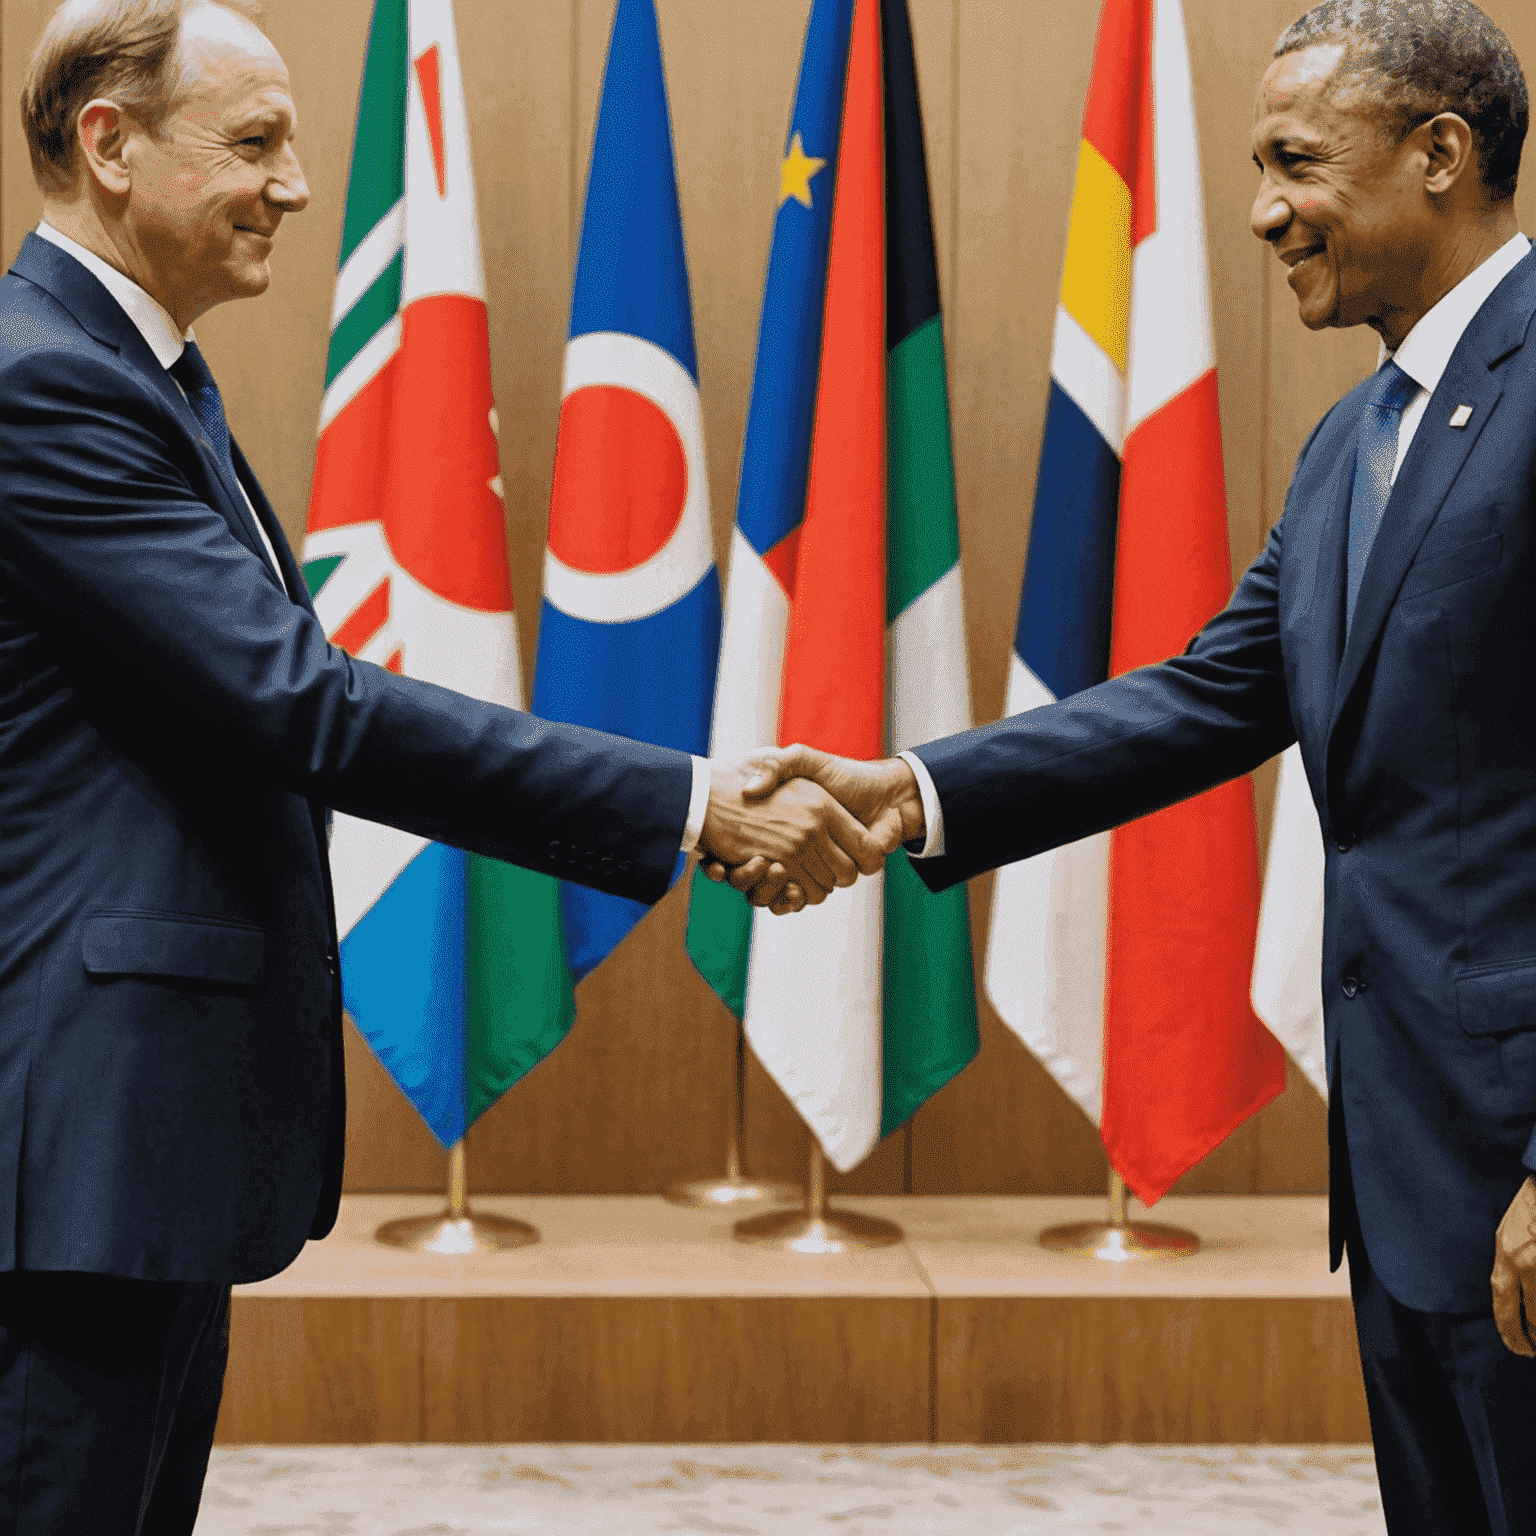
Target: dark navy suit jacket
[
  {"x": 172, "y": 726},
  {"x": 1419, "y": 738}
]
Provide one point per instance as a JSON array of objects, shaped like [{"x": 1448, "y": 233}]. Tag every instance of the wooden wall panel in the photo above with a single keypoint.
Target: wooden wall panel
[
  {"x": 334, "y": 1370},
  {"x": 690, "y": 1369},
  {"x": 636, "y": 1095},
  {"x": 1193, "y": 1371}
]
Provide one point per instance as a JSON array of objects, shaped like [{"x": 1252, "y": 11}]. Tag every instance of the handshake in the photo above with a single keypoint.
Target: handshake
[{"x": 786, "y": 825}]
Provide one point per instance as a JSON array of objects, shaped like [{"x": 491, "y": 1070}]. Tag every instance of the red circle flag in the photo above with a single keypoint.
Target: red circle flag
[{"x": 621, "y": 479}]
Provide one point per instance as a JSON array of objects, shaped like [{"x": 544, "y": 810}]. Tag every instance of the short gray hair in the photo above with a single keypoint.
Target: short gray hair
[
  {"x": 1419, "y": 58},
  {"x": 120, "y": 50}
]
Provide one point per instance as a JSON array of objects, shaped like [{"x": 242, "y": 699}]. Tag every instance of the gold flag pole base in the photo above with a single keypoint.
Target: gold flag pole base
[
  {"x": 732, "y": 1192},
  {"x": 1119, "y": 1240},
  {"x": 816, "y": 1229},
  {"x": 735, "y": 1190},
  {"x": 458, "y": 1229}
]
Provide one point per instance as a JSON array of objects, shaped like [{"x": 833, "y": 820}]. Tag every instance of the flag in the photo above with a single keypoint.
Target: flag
[
  {"x": 451, "y": 964},
  {"x": 630, "y": 631},
  {"x": 1288, "y": 962},
  {"x": 844, "y": 614},
  {"x": 1123, "y": 961}
]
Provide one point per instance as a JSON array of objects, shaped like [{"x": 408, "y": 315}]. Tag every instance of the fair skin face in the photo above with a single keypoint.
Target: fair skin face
[
  {"x": 1373, "y": 233},
  {"x": 190, "y": 213}
]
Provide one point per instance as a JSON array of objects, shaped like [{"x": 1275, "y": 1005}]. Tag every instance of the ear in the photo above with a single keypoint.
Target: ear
[
  {"x": 1451, "y": 150},
  {"x": 102, "y": 132}
]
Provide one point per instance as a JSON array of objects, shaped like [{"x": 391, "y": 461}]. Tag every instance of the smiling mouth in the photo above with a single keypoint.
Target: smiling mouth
[{"x": 1298, "y": 258}]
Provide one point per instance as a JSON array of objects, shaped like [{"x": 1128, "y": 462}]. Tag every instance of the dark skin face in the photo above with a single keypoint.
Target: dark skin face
[{"x": 1373, "y": 232}]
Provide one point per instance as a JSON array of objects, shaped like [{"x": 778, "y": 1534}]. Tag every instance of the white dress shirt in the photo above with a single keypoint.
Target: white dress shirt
[
  {"x": 1424, "y": 355},
  {"x": 1426, "y": 350},
  {"x": 167, "y": 343}
]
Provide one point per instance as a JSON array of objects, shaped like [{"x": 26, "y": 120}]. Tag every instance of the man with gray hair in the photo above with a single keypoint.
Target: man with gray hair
[
  {"x": 173, "y": 727},
  {"x": 1388, "y": 625}
]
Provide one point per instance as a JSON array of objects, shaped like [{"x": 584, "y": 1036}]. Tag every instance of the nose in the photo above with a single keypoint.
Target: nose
[
  {"x": 1270, "y": 212},
  {"x": 288, "y": 189}
]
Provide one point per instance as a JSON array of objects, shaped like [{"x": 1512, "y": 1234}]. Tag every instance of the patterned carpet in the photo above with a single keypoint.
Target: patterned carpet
[{"x": 789, "y": 1490}]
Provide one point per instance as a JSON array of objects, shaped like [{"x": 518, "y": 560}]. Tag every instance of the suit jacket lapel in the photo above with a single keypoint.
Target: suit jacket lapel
[
  {"x": 292, "y": 573},
  {"x": 100, "y": 315},
  {"x": 1432, "y": 465},
  {"x": 227, "y": 490}
]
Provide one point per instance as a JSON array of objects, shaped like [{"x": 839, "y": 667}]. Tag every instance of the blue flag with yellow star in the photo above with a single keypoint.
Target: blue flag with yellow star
[
  {"x": 775, "y": 461},
  {"x": 775, "y": 457}
]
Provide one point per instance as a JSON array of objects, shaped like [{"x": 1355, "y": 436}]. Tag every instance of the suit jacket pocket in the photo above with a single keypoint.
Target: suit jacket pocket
[
  {"x": 1498, "y": 999},
  {"x": 211, "y": 950},
  {"x": 1444, "y": 570}
]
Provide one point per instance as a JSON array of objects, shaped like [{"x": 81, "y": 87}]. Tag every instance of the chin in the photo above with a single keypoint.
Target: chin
[{"x": 250, "y": 283}]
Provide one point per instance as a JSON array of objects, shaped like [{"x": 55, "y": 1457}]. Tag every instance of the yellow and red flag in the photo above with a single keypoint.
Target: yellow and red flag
[{"x": 1123, "y": 961}]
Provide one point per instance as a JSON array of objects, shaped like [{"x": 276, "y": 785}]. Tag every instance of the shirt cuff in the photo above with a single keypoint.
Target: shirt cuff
[
  {"x": 698, "y": 805},
  {"x": 933, "y": 812}
]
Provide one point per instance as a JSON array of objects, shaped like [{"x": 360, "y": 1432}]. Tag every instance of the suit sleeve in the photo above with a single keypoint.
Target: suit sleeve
[
  {"x": 1121, "y": 749},
  {"x": 183, "y": 651}
]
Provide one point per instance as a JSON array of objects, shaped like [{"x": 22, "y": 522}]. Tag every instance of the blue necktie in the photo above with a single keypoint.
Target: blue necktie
[
  {"x": 191, "y": 371},
  {"x": 1374, "y": 457}
]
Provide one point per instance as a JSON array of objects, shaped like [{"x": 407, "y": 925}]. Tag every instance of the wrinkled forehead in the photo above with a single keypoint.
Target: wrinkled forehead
[{"x": 1297, "y": 99}]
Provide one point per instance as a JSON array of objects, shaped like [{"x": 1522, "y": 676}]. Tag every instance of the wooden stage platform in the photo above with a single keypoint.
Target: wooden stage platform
[{"x": 635, "y": 1320}]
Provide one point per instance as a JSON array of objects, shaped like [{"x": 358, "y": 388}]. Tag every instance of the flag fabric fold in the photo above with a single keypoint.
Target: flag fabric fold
[
  {"x": 844, "y": 613},
  {"x": 1288, "y": 961},
  {"x": 1123, "y": 961},
  {"x": 630, "y": 631},
  {"x": 452, "y": 965}
]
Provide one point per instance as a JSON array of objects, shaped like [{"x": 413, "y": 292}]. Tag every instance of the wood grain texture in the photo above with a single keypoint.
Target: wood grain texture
[
  {"x": 691, "y": 1369},
  {"x": 1145, "y": 1371},
  {"x": 306, "y": 1371}
]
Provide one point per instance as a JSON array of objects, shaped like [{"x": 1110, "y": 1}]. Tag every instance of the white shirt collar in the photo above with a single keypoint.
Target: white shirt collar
[
  {"x": 1426, "y": 350},
  {"x": 150, "y": 319}
]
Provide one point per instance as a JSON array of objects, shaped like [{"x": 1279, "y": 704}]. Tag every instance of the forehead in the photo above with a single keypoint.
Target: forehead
[
  {"x": 230, "y": 65},
  {"x": 1294, "y": 101}
]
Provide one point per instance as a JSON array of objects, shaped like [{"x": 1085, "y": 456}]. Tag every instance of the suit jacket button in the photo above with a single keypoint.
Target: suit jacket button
[
  {"x": 1346, "y": 841},
  {"x": 1351, "y": 985}
]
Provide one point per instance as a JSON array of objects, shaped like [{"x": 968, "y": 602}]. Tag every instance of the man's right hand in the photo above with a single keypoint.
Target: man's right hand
[
  {"x": 799, "y": 842},
  {"x": 883, "y": 795}
]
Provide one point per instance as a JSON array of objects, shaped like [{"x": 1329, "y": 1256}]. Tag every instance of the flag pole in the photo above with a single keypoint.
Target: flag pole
[
  {"x": 1119, "y": 1238},
  {"x": 457, "y": 1229},
  {"x": 735, "y": 1190},
  {"x": 816, "y": 1228}
]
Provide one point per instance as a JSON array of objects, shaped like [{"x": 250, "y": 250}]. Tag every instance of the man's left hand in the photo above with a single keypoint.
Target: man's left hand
[{"x": 1514, "y": 1272}]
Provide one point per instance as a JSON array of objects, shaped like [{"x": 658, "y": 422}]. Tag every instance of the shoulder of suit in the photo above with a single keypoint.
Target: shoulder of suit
[{"x": 36, "y": 329}]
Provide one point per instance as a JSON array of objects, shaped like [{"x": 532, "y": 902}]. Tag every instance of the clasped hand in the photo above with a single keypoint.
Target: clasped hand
[{"x": 787, "y": 825}]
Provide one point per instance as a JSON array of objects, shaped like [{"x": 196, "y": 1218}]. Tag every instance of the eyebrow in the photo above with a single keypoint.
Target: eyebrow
[
  {"x": 1281, "y": 142},
  {"x": 267, "y": 118}
]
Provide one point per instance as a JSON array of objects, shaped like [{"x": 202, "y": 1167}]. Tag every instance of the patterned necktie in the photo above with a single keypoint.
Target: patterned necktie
[
  {"x": 191, "y": 371},
  {"x": 1374, "y": 457}
]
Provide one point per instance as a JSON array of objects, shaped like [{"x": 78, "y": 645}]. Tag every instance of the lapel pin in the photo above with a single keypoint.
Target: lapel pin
[{"x": 1461, "y": 415}]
